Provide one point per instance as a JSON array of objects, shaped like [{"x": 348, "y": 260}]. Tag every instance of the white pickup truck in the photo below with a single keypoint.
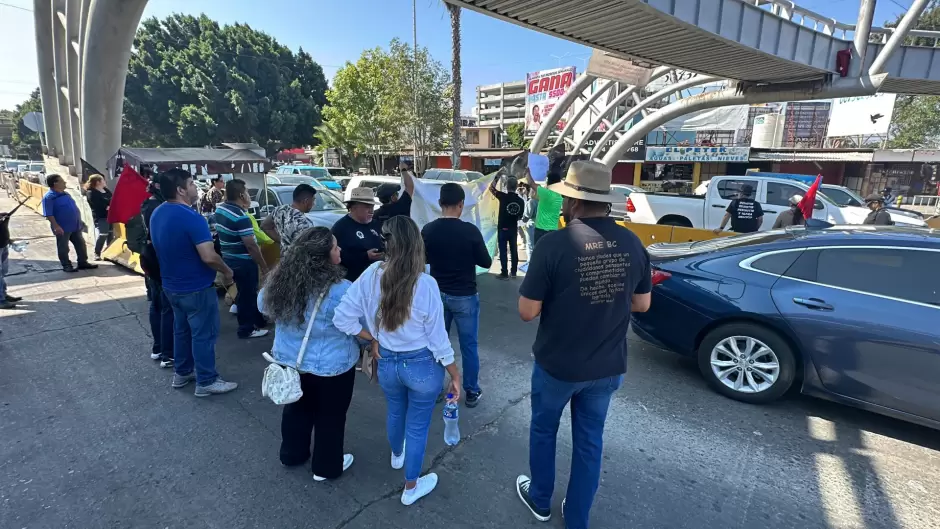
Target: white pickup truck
[{"x": 706, "y": 211}]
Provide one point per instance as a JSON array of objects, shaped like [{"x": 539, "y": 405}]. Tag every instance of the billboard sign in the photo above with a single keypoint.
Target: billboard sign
[
  {"x": 543, "y": 91},
  {"x": 861, "y": 116},
  {"x": 636, "y": 153},
  {"x": 697, "y": 154}
]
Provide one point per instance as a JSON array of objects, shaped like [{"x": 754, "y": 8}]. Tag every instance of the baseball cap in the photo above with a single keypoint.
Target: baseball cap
[{"x": 385, "y": 192}]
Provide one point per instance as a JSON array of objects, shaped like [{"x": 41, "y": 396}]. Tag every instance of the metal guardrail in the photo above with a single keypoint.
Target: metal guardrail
[
  {"x": 830, "y": 26},
  {"x": 926, "y": 200}
]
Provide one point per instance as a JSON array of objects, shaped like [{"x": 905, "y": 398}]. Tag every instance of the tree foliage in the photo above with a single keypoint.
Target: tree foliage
[
  {"x": 192, "y": 82},
  {"x": 916, "y": 120},
  {"x": 515, "y": 135},
  {"x": 25, "y": 141},
  {"x": 388, "y": 101}
]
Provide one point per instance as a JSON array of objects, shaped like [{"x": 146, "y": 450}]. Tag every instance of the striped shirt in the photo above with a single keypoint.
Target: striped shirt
[{"x": 232, "y": 223}]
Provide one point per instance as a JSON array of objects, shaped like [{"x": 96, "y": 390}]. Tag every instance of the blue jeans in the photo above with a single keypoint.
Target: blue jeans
[
  {"x": 161, "y": 321},
  {"x": 4, "y": 269},
  {"x": 196, "y": 328},
  {"x": 465, "y": 310},
  {"x": 411, "y": 382},
  {"x": 245, "y": 272},
  {"x": 589, "y": 403}
]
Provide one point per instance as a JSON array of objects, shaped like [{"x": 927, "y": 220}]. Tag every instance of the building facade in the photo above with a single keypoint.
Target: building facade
[{"x": 501, "y": 104}]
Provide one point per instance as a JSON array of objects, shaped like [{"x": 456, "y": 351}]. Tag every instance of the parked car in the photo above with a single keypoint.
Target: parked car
[
  {"x": 372, "y": 181},
  {"x": 321, "y": 174},
  {"x": 845, "y": 197},
  {"x": 451, "y": 175},
  {"x": 327, "y": 208},
  {"x": 621, "y": 209},
  {"x": 294, "y": 180},
  {"x": 847, "y": 313},
  {"x": 706, "y": 210},
  {"x": 340, "y": 175}
]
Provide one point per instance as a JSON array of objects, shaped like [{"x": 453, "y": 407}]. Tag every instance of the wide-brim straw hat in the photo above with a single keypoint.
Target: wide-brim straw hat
[
  {"x": 587, "y": 180},
  {"x": 362, "y": 195}
]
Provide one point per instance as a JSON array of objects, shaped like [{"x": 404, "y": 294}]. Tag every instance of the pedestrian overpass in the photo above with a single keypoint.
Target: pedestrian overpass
[{"x": 768, "y": 50}]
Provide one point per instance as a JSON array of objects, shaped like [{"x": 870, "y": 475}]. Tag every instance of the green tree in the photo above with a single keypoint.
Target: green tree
[
  {"x": 515, "y": 135},
  {"x": 25, "y": 141},
  {"x": 192, "y": 82},
  {"x": 916, "y": 120},
  {"x": 372, "y": 103}
]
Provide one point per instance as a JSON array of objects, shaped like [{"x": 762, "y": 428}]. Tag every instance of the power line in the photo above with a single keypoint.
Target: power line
[{"x": 21, "y": 8}]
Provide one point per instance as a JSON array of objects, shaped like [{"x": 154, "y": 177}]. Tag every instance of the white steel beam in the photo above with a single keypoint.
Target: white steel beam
[
  {"x": 897, "y": 38},
  {"x": 548, "y": 124},
  {"x": 743, "y": 96},
  {"x": 569, "y": 126},
  {"x": 60, "y": 47},
  {"x": 866, "y": 11}
]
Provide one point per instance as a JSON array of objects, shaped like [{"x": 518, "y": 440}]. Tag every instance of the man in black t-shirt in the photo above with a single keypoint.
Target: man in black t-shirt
[
  {"x": 454, "y": 249},
  {"x": 511, "y": 208},
  {"x": 584, "y": 281},
  {"x": 358, "y": 234},
  {"x": 392, "y": 204},
  {"x": 744, "y": 212}
]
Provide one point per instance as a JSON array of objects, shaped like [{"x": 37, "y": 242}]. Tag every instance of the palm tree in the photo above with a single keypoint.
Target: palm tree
[{"x": 455, "y": 140}]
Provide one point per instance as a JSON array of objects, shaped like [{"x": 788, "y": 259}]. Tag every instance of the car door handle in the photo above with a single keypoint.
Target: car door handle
[
  {"x": 718, "y": 206},
  {"x": 813, "y": 303},
  {"x": 771, "y": 211}
]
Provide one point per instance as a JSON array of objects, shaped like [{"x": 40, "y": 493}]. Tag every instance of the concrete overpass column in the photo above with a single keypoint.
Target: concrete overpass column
[
  {"x": 73, "y": 19},
  {"x": 60, "y": 53},
  {"x": 42, "y": 18},
  {"x": 111, "y": 26}
]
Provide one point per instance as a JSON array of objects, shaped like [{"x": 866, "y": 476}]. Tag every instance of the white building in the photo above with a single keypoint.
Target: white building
[{"x": 501, "y": 104}]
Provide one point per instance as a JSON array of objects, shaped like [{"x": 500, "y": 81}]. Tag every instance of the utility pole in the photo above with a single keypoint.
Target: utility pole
[{"x": 414, "y": 79}]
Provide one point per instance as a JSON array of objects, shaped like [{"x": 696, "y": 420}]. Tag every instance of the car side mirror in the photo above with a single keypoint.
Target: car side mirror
[{"x": 818, "y": 205}]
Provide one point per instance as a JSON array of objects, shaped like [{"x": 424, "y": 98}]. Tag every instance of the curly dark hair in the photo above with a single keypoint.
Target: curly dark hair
[{"x": 302, "y": 274}]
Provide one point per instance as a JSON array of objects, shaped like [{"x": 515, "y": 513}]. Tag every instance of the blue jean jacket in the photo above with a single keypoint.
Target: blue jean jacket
[{"x": 329, "y": 351}]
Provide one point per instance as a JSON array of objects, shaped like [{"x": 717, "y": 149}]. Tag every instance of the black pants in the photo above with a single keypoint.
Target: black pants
[
  {"x": 322, "y": 411},
  {"x": 245, "y": 272},
  {"x": 539, "y": 233},
  {"x": 62, "y": 248},
  {"x": 507, "y": 237}
]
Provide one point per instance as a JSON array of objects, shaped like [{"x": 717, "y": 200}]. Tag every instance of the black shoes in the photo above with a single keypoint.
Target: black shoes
[
  {"x": 473, "y": 398},
  {"x": 503, "y": 276},
  {"x": 13, "y": 299},
  {"x": 522, "y": 488},
  {"x": 87, "y": 266}
]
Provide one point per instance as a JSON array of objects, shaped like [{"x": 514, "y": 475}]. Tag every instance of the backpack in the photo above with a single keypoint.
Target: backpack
[{"x": 136, "y": 234}]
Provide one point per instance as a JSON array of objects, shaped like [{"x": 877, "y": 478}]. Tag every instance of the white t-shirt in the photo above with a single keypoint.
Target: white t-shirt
[{"x": 425, "y": 327}]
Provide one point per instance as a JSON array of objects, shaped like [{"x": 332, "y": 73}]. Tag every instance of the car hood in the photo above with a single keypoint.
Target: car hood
[
  {"x": 856, "y": 215},
  {"x": 327, "y": 217}
]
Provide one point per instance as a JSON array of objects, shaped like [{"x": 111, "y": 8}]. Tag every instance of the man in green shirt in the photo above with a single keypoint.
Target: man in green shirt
[{"x": 546, "y": 218}]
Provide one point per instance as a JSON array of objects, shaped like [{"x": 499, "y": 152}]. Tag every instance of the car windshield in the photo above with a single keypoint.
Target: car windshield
[
  {"x": 36, "y": 167},
  {"x": 843, "y": 197},
  {"x": 324, "y": 200},
  {"x": 338, "y": 171},
  {"x": 316, "y": 172}
]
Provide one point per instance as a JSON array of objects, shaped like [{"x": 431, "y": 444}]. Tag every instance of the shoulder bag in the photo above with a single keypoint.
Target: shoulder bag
[{"x": 281, "y": 383}]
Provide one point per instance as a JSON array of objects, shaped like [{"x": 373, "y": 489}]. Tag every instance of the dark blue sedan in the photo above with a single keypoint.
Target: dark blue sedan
[{"x": 851, "y": 314}]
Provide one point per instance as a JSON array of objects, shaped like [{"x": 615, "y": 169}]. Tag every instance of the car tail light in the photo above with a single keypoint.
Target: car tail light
[
  {"x": 630, "y": 207},
  {"x": 659, "y": 276}
]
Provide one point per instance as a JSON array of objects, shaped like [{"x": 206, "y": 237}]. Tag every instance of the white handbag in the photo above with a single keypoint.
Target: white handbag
[{"x": 281, "y": 383}]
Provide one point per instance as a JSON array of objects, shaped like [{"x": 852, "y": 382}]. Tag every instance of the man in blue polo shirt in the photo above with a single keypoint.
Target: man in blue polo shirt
[
  {"x": 60, "y": 210},
  {"x": 241, "y": 253},
  {"x": 188, "y": 265}
]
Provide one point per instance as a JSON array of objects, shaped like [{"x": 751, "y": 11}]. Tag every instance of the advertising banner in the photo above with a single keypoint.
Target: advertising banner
[
  {"x": 543, "y": 91},
  {"x": 861, "y": 116},
  {"x": 697, "y": 154},
  {"x": 637, "y": 153}
]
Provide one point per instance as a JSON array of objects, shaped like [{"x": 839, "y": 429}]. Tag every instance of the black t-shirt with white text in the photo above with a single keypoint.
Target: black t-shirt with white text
[
  {"x": 355, "y": 240},
  {"x": 402, "y": 206},
  {"x": 511, "y": 208},
  {"x": 744, "y": 214},
  {"x": 585, "y": 276}
]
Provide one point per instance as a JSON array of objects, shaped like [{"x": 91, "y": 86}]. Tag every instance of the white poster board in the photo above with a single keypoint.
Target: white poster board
[{"x": 861, "y": 116}]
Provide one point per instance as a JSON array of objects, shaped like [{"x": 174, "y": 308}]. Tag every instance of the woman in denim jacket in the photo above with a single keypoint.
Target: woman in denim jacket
[
  {"x": 404, "y": 315},
  {"x": 308, "y": 270}
]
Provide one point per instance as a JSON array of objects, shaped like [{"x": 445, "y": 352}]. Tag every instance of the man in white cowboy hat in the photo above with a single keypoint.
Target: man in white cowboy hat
[
  {"x": 358, "y": 235},
  {"x": 584, "y": 281}
]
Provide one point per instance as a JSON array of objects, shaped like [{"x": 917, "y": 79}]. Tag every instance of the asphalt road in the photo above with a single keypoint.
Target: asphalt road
[{"x": 92, "y": 436}]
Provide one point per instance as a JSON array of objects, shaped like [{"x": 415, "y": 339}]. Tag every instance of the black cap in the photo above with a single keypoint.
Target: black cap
[
  {"x": 385, "y": 192},
  {"x": 874, "y": 197}
]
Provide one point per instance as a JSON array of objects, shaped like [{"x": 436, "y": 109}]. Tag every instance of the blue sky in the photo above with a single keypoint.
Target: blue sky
[{"x": 336, "y": 31}]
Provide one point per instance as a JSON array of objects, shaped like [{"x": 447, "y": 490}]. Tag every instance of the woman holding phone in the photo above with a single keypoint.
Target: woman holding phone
[{"x": 404, "y": 315}]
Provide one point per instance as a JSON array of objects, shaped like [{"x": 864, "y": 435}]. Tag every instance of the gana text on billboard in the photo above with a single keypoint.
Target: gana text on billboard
[{"x": 543, "y": 91}]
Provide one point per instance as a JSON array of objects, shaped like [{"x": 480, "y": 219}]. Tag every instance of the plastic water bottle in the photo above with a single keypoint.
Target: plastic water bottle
[
  {"x": 19, "y": 246},
  {"x": 451, "y": 428}
]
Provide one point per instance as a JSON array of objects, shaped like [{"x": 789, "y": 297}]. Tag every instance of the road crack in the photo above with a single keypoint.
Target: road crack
[
  {"x": 439, "y": 458},
  {"x": 57, "y": 329}
]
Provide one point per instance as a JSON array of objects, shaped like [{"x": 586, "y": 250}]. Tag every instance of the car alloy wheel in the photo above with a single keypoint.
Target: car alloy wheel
[{"x": 744, "y": 364}]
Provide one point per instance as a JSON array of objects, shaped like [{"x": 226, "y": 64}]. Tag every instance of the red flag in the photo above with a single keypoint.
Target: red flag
[
  {"x": 809, "y": 199},
  {"x": 129, "y": 193}
]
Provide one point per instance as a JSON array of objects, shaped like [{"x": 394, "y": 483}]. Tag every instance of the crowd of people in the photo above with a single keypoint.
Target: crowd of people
[{"x": 376, "y": 287}]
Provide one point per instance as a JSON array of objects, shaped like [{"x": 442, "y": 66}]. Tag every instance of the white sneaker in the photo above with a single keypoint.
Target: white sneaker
[
  {"x": 233, "y": 309},
  {"x": 424, "y": 487},
  {"x": 347, "y": 462},
  {"x": 154, "y": 356},
  {"x": 258, "y": 333},
  {"x": 399, "y": 461}
]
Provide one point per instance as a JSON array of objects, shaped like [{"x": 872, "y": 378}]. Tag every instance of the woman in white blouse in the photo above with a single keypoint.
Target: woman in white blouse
[{"x": 404, "y": 317}]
